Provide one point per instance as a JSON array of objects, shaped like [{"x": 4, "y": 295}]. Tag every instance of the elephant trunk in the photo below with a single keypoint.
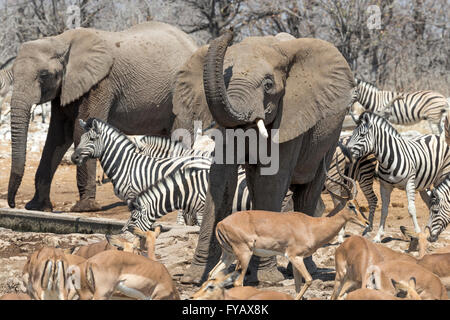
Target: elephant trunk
[
  {"x": 222, "y": 109},
  {"x": 20, "y": 119}
]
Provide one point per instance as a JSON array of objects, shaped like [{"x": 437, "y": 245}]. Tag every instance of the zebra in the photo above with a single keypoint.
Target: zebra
[
  {"x": 439, "y": 210},
  {"x": 183, "y": 190},
  {"x": 163, "y": 147},
  {"x": 404, "y": 108},
  {"x": 408, "y": 164},
  {"x": 130, "y": 172},
  {"x": 362, "y": 170}
]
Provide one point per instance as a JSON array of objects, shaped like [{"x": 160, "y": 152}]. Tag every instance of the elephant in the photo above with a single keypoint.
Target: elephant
[
  {"x": 300, "y": 89},
  {"x": 125, "y": 78}
]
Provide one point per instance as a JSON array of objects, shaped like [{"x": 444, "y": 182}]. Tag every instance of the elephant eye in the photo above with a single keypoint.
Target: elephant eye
[{"x": 268, "y": 84}]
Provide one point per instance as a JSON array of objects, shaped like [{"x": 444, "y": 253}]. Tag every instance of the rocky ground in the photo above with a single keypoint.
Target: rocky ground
[{"x": 175, "y": 248}]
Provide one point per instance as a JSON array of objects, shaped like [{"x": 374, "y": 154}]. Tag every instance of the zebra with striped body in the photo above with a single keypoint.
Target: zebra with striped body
[
  {"x": 408, "y": 164},
  {"x": 362, "y": 170},
  {"x": 6, "y": 81},
  {"x": 439, "y": 210},
  {"x": 153, "y": 146},
  {"x": 130, "y": 172},
  {"x": 409, "y": 109}
]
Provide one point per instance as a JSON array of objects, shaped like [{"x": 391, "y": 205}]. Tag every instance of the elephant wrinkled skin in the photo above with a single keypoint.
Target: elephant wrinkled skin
[
  {"x": 125, "y": 78},
  {"x": 300, "y": 86}
]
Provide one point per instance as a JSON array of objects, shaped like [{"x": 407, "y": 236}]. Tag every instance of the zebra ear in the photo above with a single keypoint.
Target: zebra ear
[
  {"x": 96, "y": 127},
  {"x": 83, "y": 125}
]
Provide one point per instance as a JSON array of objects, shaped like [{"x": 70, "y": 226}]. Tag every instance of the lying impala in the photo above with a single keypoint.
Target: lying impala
[
  {"x": 214, "y": 289},
  {"x": 407, "y": 289},
  {"x": 428, "y": 285},
  {"x": 44, "y": 274},
  {"x": 437, "y": 262},
  {"x": 294, "y": 235},
  {"x": 353, "y": 257},
  {"x": 133, "y": 275}
]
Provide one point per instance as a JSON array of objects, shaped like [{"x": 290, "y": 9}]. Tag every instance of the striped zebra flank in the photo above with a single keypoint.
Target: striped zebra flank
[
  {"x": 130, "y": 171},
  {"x": 162, "y": 147},
  {"x": 404, "y": 108},
  {"x": 408, "y": 164}
]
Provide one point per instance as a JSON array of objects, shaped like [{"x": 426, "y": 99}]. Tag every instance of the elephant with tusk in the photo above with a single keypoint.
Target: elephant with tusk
[
  {"x": 296, "y": 89},
  {"x": 125, "y": 78}
]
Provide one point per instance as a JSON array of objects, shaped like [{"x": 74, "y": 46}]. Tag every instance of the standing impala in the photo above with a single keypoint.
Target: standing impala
[{"x": 294, "y": 235}]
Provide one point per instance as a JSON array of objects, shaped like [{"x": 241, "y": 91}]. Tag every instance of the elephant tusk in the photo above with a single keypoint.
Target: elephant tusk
[{"x": 262, "y": 128}]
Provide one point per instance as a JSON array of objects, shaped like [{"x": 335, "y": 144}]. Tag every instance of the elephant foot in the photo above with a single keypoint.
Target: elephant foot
[
  {"x": 86, "y": 205},
  {"x": 193, "y": 274},
  {"x": 34, "y": 204},
  {"x": 267, "y": 275}
]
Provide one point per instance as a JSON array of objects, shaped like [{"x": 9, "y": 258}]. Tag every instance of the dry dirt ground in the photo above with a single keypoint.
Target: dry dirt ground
[{"x": 175, "y": 248}]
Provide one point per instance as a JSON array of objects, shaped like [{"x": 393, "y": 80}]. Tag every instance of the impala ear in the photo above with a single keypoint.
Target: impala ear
[
  {"x": 89, "y": 61},
  {"x": 319, "y": 85}
]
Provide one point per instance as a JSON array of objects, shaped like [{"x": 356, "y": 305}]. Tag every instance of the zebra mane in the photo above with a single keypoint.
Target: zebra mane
[
  {"x": 380, "y": 122},
  {"x": 90, "y": 123},
  {"x": 173, "y": 175},
  {"x": 367, "y": 84},
  {"x": 156, "y": 140}
]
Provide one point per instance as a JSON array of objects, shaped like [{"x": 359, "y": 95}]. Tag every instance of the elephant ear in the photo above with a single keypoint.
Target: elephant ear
[
  {"x": 189, "y": 101},
  {"x": 89, "y": 61},
  {"x": 318, "y": 86}
]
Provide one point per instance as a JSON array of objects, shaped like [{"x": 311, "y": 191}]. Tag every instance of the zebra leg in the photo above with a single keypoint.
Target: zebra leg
[
  {"x": 385, "y": 191},
  {"x": 372, "y": 200},
  {"x": 338, "y": 206},
  {"x": 411, "y": 194}
]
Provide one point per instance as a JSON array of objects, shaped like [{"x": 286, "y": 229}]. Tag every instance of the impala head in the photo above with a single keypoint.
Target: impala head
[
  {"x": 362, "y": 141},
  {"x": 147, "y": 239},
  {"x": 91, "y": 143},
  {"x": 406, "y": 289},
  {"x": 214, "y": 288},
  {"x": 439, "y": 210},
  {"x": 355, "y": 214},
  {"x": 124, "y": 245}
]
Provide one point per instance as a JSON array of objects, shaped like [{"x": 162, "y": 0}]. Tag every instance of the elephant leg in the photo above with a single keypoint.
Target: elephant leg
[
  {"x": 306, "y": 198},
  {"x": 267, "y": 193},
  {"x": 59, "y": 139},
  {"x": 219, "y": 202},
  {"x": 86, "y": 173}
]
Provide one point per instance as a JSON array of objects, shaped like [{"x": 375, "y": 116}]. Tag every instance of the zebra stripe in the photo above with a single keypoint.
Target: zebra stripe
[
  {"x": 6, "y": 81},
  {"x": 130, "y": 172},
  {"x": 411, "y": 108},
  {"x": 409, "y": 164},
  {"x": 162, "y": 147},
  {"x": 440, "y": 209}
]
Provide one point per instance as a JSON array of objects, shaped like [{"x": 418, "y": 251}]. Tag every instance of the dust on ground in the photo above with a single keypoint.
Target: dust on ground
[{"x": 175, "y": 249}]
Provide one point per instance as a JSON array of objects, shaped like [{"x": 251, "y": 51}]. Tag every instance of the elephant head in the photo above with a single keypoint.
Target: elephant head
[
  {"x": 60, "y": 68},
  {"x": 278, "y": 82}
]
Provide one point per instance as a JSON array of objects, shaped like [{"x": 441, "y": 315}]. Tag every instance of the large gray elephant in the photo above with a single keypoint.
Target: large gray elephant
[
  {"x": 302, "y": 87},
  {"x": 125, "y": 78}
]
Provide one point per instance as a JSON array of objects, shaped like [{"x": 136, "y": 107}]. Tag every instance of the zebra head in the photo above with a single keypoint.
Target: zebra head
[
  {"x": 139, "y": 217},
  {"x": 362, "y": 141},
  {"x": 439, "y": 210},
  {"x": 91, "y": 145}
]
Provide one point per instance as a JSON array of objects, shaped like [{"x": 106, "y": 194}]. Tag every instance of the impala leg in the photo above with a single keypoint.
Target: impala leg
[
  {"x": 346, "y": 286},
  {"x": 385, "y": 191},
  {"x": 225, "y": 261},
  {"x": 411, "y": 195},
  {"x": 298, "y": 264},
  {"x": 243, "y": 255}
]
